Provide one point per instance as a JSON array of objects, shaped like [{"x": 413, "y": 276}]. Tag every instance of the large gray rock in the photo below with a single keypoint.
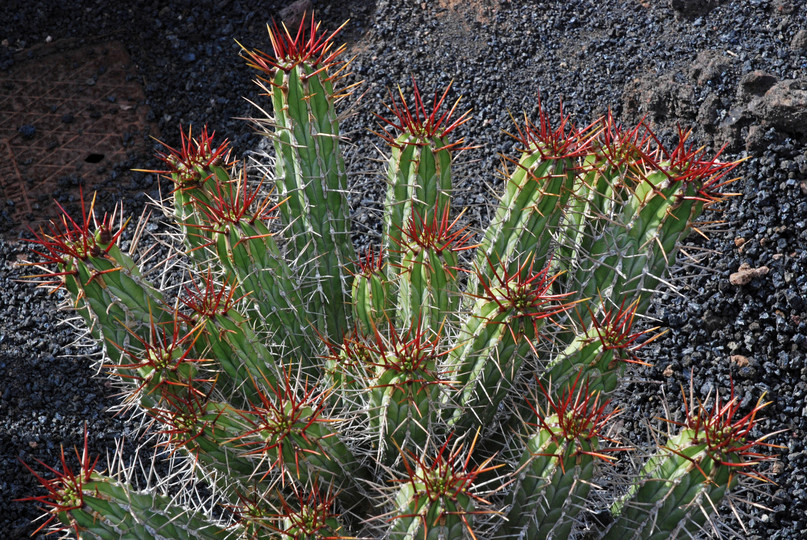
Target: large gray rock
[{"x": 784, "y": 106}]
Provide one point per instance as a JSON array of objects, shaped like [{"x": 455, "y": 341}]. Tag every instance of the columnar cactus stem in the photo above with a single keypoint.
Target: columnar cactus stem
[
  {"x": 678, "y": 488},
  {"x": 106, "y": 284},
  {"x": 311, "y": 175},
  {"x": 419, "y": 171},
  {"x": 497, "y": 336},
  {"x": 634, "y": 203},
  {"x": 600, "y": 353},
  {"x": 436, "y": 499},
  {"x": 428, "y": 281},
  {"x": 404, "y": 388},
  {"x": 538, "y": 188},
  {"x": 371, "y": 293},
  {"x": 555, "y": 472}
]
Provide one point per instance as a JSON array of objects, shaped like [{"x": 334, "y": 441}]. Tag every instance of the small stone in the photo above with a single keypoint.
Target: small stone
[
  {"x": 745, "y": 274},
  {"x": 739, "y": 241},
  {"x": 668, "y": 372},
  {"x": 739, "y": 360},
  {"x": 27, "y": 131}
]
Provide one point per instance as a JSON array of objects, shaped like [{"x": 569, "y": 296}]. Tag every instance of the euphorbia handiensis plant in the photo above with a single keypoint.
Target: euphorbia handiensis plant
[{"x": 443, "y": 384}]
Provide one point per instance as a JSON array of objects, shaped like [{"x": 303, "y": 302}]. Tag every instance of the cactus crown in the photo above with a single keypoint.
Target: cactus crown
[{"x": 323, "y": 395}]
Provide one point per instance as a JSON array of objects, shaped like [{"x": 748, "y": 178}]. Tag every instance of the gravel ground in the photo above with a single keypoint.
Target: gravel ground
[{"x": 736, "y": 71}]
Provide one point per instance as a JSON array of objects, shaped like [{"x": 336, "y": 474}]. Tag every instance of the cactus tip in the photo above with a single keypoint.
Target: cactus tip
[{"x": 65, "y": 491}]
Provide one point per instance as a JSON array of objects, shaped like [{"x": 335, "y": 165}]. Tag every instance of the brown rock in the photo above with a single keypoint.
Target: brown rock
[
  {"x": 292, "y": 15},
  {"x": 707, "y": 112},
  {"x": 740, "y": 360},
  {"x": 659, "y": 99},
  {"x": 754, "y": 84},
  {"x": 708, "y": 66},
  {"x": 784, "y": 106},
  {"x": 745, "y": 274},
  {"x": 693, "y": 8},
  {"x": 755, "y": 141}
]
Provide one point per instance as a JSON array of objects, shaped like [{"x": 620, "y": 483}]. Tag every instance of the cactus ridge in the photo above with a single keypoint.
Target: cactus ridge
[{"x": 319, "y": 394}]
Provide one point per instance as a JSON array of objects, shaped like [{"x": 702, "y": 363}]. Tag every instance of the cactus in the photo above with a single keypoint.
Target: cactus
[{"x": 322, "y": 394}]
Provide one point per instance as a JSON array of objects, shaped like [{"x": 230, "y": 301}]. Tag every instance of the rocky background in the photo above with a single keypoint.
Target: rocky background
[{"x": 735, "y": 71}]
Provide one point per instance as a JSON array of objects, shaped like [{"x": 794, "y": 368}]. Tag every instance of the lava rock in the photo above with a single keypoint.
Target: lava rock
[
  {"x": 659, "y": 98},
  {"x": 709, "y": 66},
  {"x": 754, "y": 85},
  {"x": 693, "y": 8},
  {"x": 784, "y": 106},
  {"x": 292, "y": 15},
  {"x": 799, "y": 42}
]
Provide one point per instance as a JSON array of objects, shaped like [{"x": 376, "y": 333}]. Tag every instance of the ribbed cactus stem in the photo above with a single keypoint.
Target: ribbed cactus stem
[
  {"x": 403, "y": 389},
  {"x": 239, "y": 353},
  {"x": 109, "y": 290},
  {"x": 598, "y": 354},
  {"x": 204, "y": 431},
  {"x": 251, "y": 257},
  {"x": 419, "y": 188},
  {"x": 112, "y": 511},
  {"x": 552, "y": 482},
  {"x": 428, "y": 284},
  {"x": 539, "y": 186},
  {"x": 311, "y": 179},
  {"x": 403, "y": 411},
  {"x": 555, "y": 471},
  {"x": 419, "y": 181},
  {"x": 589, "y": 356},
  {"x": 681, "y": 484},
  {"x": 288, "y": 429},
  {"x": 437, "y": 498},
  {"x": 371, "y": 293},
  {"x": 497, "y": 336},
  {"x": 674, "y": 493},
  {"x": 633, "y": 205}
]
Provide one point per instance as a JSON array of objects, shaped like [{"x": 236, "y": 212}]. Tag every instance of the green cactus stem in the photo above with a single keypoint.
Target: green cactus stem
[
  {"x": 311, "y": 174},
  {"x": 555, "y": 472},
  {"x": 419, "y": 171},
  {"x": 436, "y": 499},
  {"x": 678, "y": 488}
]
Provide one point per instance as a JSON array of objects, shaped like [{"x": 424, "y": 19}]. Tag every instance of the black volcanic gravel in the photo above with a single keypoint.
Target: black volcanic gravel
[{"x": 638, "y": 58}]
